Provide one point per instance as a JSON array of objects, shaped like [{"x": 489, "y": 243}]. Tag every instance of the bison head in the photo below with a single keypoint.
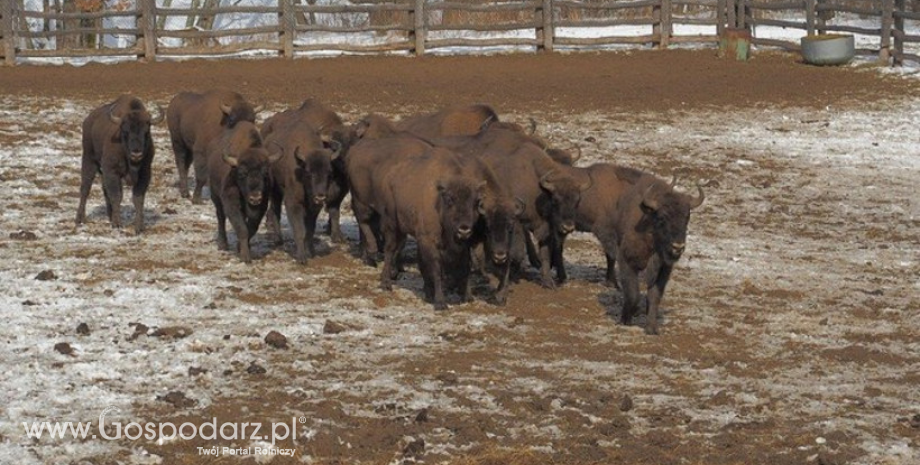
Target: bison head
[
  {"x": 564, "y": 195},
  {"x": 500, "y": 216},
  {"x": 134, "y": 130},
  {"x": 314, "y": 168},
  {"x": 457, "y": 206},
  {"x": 669, "y": 213},
  {"x": 237, "y": 111},
  {"x": 374, "y": 126},
  {"x": 250, "y": 172}
]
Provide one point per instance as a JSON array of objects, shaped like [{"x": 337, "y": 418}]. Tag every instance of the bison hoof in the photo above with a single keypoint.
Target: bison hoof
[
  {"x": 440, "y": 306},
  {"x": 338, "y": 238},
  {"x": 500, "y": 300},
  {"x": 386, "y": 286},
  {"x": 548, "y": 284},
  {"x": 651, "y": 330},
  {"x": 612, "y": 283},
  {"x": 370, "y": 261}
]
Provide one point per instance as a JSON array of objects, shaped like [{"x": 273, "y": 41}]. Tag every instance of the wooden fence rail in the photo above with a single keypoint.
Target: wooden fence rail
[{"x": 416, "y": 26}]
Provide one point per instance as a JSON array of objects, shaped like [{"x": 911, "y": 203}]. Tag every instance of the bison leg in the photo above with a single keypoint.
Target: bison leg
[
  {"x": 335, "y": 195},
  {"x": 532, "y": 254},
  {"x": 88, "y": 175},
  {"x": 430, "y": 265},
  {"x": 200, "y": 160},
  {"x": 183, "y": 158},
  {"x": 138, "y": 192},
  {"x": 390, "y": 252},
  {"x": 630, "y": 285},
  {"x": 242, "y": 236},
  {"x": 546, "y": 279},
  {"x": 302, "y": 243},
  {"x": 611, "y": 280},
  {"x": 221, "y": 224},
  {"x": 273, "y": 216},
  {"x": 657, "y": 282},
  {"x": 558, "y": 261},
  {"x": 501, "y": 292},
  {"x": 310, "y": 228},
  {"x": 111, "y": 186},
  {"x": 367, "y": 237}
]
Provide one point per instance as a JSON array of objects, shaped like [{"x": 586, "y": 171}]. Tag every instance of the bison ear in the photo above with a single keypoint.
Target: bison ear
[
  {"x": 519, "y": 206},
  {"x": 231, "y": 159},
  {"x": 546, "y": 181}
]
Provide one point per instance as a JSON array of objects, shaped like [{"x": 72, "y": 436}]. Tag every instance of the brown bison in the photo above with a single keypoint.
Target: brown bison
[
  {"x": 455, "y": 121},
  {"x": 434, "y": 198},
  {"x": 549, "y": 190},
  {"x": 117, "y": 144},
  {"x": 239, "y": 170},
  {"x": 196, "y": 119},
  {"x": 325, "y": 122},
  {"x": 301, "y": 180},
  {"x": 641, "y": 221}
]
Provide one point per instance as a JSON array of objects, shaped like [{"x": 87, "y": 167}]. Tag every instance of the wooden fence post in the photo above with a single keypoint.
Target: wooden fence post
[
  {"x": 899, "y": 6},
  {"x": 720, "y": 17},
  {"x": 822, "y": 16},
  {"x": 6, "y": 30},
  {"x": 147, "y": 10},
  {"x": 287, "y": 23},
  {"x": 419, "y": 34},
  {"x": 731, "y": 10},
  {"x": 661, "y": 15},
  {"x": 884, "y": 52},
  {"x": 545, "y": 32},
  {"x": 810, "y": 17}
]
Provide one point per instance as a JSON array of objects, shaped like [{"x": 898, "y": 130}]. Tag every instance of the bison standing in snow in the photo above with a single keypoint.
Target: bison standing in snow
[
  {"x": 117, "y": 144},
  {"x": 641, "y": 222},
  {"x": 194, "y": 121},
  {"x": 239, "y": 169}
]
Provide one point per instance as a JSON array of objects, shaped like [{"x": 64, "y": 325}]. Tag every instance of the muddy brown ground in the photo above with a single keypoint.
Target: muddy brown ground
[{"x": 790, "y": 328}]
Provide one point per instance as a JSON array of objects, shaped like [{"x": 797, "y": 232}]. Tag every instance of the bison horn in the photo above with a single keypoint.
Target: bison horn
[
  {"x": 113, "y": 118},
  {"x": 230, "y": 159},
  {"x": 335, "y": 147},
  {"x": 519, "y": 206},
  {"x": 545, "y": 181},
  {"x": 299, "y": 154},
  {"x": 485, "y": 124},
  {"x": 533, "y": 127},
  {"x": 587, "y": 184},
  {"x": 225, "y": 108},
  {"x": 577, "y": 157},
  {"x": 258, "y": 108},
  {"x": 648, "y": 200},
  {"x": 161, "y": 115},
  {"x": 696, "y": 202},
  {"x": 273, "y": 157},
  {"x": 674, "y": 180}
]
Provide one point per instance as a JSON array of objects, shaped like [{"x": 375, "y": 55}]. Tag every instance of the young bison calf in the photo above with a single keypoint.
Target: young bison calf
[
  {"x": 238, "y": 166},
  {"x": 117, "y": 143}
]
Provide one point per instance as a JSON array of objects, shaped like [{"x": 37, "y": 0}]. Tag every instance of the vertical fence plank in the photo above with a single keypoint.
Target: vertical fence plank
[
  {"x": 661, "y": 28},
  {"x": 884, "y": 52},
  {"x": 6, "y": 30},
  {"x": 549, "y": 32},
  {"x": 419, "y": 27},
  {"x": 720, "y": 17},
  {"x": 822, "y": 17},
  {"x": 286, "y": 25},
  {"x": 731, "y": 9},
  {"x": 899, "y": 6},
  {"x": 810, "y": 17},
  {"x": 148, "y": 24}
]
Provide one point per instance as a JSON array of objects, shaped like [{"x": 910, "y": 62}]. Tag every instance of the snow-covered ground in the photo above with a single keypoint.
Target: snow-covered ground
[{"x": 835, "y": 198}]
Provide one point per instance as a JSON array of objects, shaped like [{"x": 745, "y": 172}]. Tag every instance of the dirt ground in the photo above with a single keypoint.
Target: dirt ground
[{"x": 791, "y": 328}]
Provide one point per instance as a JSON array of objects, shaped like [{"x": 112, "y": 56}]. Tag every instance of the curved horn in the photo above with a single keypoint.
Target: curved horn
[
  {"x": 113, "y": 118},
  {"x": 696, "y": 202},
  {"x": 256, "y": 109},
  {"x": 161, "y": 115},
  {"x": 648, "y": 201},
  {"x": 485, "y": 124},
  {"x": 225, "y": 108},
  {"x": 299, "y": 154},
  {"x": 545, "y": 181},
  {"x": 577, "y": 157},
  {"x": 533, "y": 127},
  {"x": 230, "y": 159},
  {"x": 674, "y": 180}
]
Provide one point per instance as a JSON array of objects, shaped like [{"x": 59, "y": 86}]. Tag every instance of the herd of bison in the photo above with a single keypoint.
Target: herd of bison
[{"x": 478, "y": 194}]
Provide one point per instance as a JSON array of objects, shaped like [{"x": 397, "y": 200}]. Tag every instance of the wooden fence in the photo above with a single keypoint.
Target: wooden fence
[{"x": 416, "y": 26}]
